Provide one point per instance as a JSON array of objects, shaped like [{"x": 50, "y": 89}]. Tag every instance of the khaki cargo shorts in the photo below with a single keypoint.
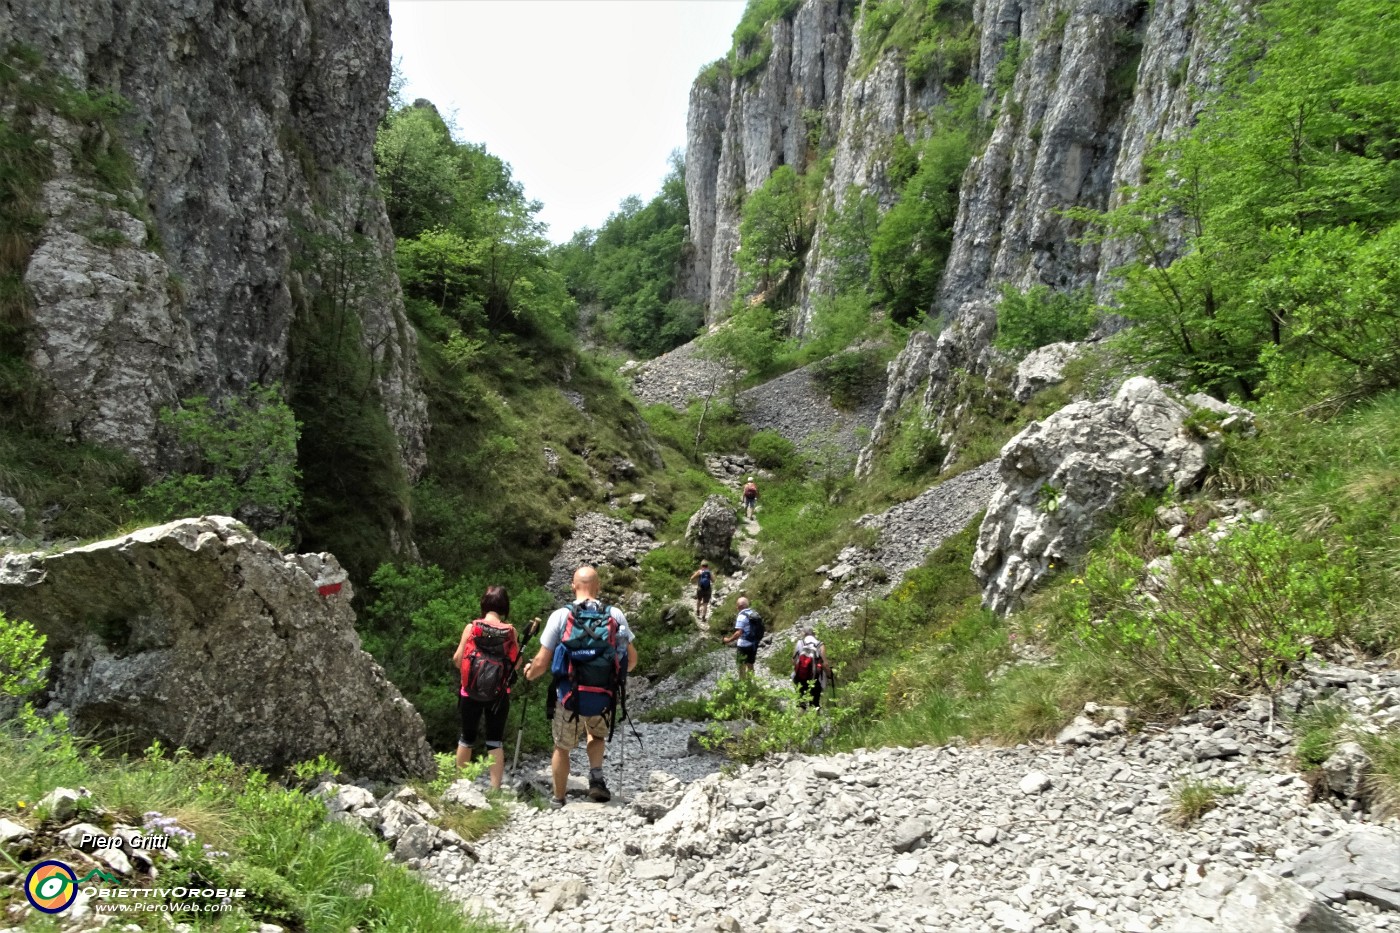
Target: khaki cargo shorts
[{"x": 568, "y": 731}]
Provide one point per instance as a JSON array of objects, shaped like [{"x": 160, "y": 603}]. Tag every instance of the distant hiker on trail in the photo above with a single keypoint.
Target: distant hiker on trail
[
  {"x": 588, "y": 649},
  {"x": 704, "y": 580},
  {"x": 748, "y": 632},
  {"x": 750, "y": 497},
  {"x": 809, "y": 668},
  {"x": 487, "y": 655}
]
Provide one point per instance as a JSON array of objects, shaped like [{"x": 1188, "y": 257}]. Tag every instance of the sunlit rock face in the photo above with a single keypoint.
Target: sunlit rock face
[{"x": 201, "y": 635}]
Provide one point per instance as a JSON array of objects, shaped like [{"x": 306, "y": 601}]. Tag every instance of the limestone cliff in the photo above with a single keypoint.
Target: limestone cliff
[
  {"x": 1091, "y": 88},
  {"x": 740, "y": 129},
  {"x": 1098, "y": 86},
  {"x": 249, "y": 128}
]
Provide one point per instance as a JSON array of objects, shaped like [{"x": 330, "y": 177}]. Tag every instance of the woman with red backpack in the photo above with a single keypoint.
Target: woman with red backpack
[
  {"x": 809, "y": 668},
  {"x": 488, "y": 655},
  {"x": 750, "y": 498}
]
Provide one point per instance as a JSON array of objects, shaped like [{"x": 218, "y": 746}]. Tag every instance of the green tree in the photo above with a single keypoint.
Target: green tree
[
  {"x": 774, "y": 231},
  {"x": 1288, "y": 192},
  {"x": 850, "y": 232},
  {"x": 438, "y": 266},
  {"x": 469, "y": 240},
  {"x": 414, "y": 159},
  {"x": 914, "y": 238},
  {"x": 240, "y": 459},
  {"x": 630, "y": 265}
]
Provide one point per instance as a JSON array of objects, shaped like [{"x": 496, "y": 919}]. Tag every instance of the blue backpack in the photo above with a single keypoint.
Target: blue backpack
[
  {"x": 753, "y": 626},
  {"x": 706, "y": 578},
  {"x": 589, "y": 663}
]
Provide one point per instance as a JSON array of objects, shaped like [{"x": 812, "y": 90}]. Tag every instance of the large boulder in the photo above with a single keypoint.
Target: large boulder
[
  {"x": 1043, "y": 367},
  {"x": 1265, "y": 903},
  {"x": 201, "y": 635},
  {"x": 1061, "y": 476},
  {"x": 710, "y": 530},
  {"x": 1363, "y": 865}
]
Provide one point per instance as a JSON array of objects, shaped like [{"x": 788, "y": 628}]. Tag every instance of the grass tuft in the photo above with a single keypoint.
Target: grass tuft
[{"x": 1193, "y": 799}]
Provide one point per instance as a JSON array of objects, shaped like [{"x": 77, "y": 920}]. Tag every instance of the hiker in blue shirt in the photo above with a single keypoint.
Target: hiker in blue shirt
[{"x": 748, "y": 633}]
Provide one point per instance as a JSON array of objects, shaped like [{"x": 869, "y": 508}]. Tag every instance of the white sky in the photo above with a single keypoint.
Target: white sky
[{"x": 584, "y": 98}]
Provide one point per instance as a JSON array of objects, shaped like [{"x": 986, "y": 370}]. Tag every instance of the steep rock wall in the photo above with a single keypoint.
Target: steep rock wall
[
  {"x": 877, "y": 104},
  {"x": 250, "y": 127},
  {"x": 1098, "y": 87},
  {"x": 740, "y": 130}
]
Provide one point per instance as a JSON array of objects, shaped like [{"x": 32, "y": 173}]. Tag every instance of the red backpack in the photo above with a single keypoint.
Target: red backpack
[
  {"x": 808, "y": 663},
  {"x": 486, "y": 662}
]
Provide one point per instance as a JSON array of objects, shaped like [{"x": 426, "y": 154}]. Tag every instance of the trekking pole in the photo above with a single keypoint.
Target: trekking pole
[
  {"x": 519, "y": 733},
  {"x": 530, "y": 631}
]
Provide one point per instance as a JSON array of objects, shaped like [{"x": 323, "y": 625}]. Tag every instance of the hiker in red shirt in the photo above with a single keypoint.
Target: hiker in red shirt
[{"x": 488, "y": 655}]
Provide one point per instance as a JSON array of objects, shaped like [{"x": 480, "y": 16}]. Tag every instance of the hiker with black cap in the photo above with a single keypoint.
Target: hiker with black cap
[{"x": 588, "y": 649}]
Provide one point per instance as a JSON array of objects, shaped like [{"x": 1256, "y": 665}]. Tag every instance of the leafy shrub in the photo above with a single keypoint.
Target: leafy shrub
[
  {"x": 750, "y": 340},
  {"x": 916, "y": 447},
  {"x": 241, "y": 460},
  {"x": 23, "y": 669},
  {"x": 1039, "y": 316},
  {"x": 313, "y": 771},
  {"x": 779, "y": 724},
  {"x": 1233, "y": 616},
  {"x": 848, "y": 378},
  {"x": 1012, "y": 54},
  {"x": 771, "y": 450}
]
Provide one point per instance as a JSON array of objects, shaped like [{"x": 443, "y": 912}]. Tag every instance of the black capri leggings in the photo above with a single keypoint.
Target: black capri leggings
[{"x": 470, "y": 711}]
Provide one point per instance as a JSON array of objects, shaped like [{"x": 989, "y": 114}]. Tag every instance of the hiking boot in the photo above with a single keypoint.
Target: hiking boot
[
  {"x": 598, "y": 790},
  {"x": 556, "y": 803}
]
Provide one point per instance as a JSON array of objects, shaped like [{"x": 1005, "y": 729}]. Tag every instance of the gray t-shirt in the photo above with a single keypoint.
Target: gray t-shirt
[{"x": 554, "y": 628}]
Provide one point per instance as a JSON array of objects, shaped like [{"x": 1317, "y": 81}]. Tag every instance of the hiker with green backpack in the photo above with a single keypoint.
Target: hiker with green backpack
[
  {"x": 488, "y": 655},
  {"x": 748, "y": 633},
  {"x": 587, "y": 647}
]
